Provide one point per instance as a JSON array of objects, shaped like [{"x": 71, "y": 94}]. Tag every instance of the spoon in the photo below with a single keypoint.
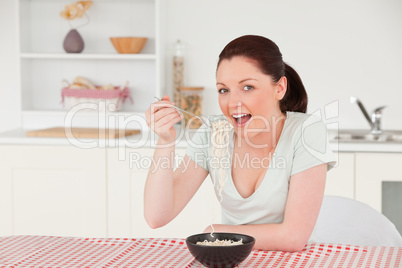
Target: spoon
[{"x": 200, "y": 118}]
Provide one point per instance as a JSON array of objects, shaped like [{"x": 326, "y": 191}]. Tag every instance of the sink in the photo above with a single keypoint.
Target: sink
[{"x": 364, "y": 136}]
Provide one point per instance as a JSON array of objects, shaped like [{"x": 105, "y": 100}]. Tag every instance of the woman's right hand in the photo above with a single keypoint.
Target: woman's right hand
[{"x": 161, "y": 118}]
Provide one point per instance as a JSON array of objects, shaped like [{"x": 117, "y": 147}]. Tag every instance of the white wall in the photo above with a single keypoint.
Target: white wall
[
  {"x": 340, "y": 48},
  {"x": 9, "y": 104}
]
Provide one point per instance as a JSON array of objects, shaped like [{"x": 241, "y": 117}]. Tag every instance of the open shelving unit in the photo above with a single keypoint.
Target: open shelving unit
[
  {"x": 88, "y": 56},
  {"x": 43, "y": 63}
]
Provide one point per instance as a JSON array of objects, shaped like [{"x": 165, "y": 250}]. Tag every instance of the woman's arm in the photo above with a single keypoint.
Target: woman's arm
[
  {"x": 167, "y": 192},
  {"x": 306, "y": 191}
]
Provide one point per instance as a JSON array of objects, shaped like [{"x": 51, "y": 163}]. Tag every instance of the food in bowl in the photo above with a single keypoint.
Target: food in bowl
[
  {"x": 217, "y": 255},
  {"x": 218, "y": 242}
]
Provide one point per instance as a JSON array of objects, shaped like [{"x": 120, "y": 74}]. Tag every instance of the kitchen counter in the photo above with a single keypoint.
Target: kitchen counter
[
  {"x": 145, "y": 139},
  {"x": 370, "y": 144},
  {"x": 148, "y": 139}
]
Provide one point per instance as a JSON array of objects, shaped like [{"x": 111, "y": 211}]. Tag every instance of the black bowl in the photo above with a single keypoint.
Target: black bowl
[{"x": 220, "y": 256}]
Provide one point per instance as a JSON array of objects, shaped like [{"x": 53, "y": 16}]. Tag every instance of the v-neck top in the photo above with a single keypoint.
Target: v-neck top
[{"x": 303, "y": 144}]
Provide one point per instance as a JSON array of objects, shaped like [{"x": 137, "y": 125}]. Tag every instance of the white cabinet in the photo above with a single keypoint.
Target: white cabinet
[
  {"x": 127, "y": 177},
  {"x": 43, "y": 63},
  {"x": 340, "y": 179},
  {"x": 52, "y": 190},
  {"x": 68, "y": 191},
  {"x": 372, "y": 169}
]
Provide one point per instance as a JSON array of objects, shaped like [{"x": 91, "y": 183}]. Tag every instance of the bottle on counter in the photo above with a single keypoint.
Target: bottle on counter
[
  {"x": 178, "y": 72},
  {"x": 191, "y": 101}
]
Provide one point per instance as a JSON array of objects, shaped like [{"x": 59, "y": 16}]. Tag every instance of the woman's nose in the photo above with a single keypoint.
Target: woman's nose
[{"x": 234, "y": 101}]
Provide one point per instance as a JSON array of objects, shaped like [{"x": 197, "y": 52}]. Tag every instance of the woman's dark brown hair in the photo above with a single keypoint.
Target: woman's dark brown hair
[{"x": 268, "y": 57}]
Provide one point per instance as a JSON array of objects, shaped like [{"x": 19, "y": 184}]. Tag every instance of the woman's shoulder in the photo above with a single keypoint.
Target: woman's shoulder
[
  {"x": 297, "y": 116},
  {"x": 301, "y": 119},
  {"x": 295, "y": 120},
  {"x": 298, "y": 123}
]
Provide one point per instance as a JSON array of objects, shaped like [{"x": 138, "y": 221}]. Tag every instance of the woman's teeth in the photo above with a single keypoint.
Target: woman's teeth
[
  {"x": 241, "y": 118},
  {"x": 239, "y": 115}
]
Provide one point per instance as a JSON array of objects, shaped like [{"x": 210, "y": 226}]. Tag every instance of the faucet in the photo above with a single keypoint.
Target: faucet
[{"x": 375, "y": 119}]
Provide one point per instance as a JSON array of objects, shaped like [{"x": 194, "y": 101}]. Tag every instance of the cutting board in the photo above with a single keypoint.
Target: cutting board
[{"x": 60, "y": 132}]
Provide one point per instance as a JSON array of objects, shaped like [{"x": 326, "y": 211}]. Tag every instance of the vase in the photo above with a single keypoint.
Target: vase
[{"x": 73, "y": 43}]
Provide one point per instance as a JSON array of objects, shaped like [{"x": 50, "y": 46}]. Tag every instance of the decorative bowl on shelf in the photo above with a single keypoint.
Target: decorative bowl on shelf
[{"x": 128, "y": 45}]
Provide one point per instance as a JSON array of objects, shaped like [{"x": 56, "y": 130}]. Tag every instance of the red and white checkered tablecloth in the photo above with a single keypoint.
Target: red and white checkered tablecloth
[{"x": 50, "y": 251}]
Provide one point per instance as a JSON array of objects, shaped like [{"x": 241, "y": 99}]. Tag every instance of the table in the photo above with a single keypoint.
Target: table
[{"x": 52, "y": 251}]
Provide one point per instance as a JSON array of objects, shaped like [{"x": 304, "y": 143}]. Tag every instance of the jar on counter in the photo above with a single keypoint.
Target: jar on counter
[
  {"x": 178, "y": 72},
  {"x": 191, "y": 101}
]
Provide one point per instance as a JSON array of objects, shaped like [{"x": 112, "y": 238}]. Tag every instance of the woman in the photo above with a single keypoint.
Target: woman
[{"x": 279, "y": 155}]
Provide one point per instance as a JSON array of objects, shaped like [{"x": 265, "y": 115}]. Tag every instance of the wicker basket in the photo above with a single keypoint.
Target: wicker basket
[{"x": 113, "y": 99}]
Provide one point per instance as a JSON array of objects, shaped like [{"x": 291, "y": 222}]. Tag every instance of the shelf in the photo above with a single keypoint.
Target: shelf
[
  {"x": 43, "y": 64},
  {"x": 38, "y": 119},
  {"x": 88, "y": 56}
]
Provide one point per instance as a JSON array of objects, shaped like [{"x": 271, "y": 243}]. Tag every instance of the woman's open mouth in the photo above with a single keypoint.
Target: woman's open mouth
[{"x": 241, "y": 120}]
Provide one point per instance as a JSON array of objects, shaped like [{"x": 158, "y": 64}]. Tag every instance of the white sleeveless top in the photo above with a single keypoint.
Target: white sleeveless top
[{"x": 303, "y": 144}]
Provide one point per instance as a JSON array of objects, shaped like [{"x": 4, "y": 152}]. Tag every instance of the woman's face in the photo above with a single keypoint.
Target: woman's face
[{"x": 248, "y": 97}]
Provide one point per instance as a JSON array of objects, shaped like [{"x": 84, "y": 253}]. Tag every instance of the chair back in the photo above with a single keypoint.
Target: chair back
[{"x": 347, "y": 221}]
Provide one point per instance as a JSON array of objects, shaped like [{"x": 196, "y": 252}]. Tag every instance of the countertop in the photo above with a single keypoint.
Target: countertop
[
  {"x": 148, "y": 139},
  {"x": 145, "y": 139}
]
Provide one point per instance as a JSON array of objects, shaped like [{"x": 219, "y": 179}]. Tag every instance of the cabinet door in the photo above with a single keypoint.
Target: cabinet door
[
  {"x": 52, "y": 190},
  {"x": 127, "y": 177},
  {"x": 372, "y": 169},
  {"x": 340, "y": 179}
]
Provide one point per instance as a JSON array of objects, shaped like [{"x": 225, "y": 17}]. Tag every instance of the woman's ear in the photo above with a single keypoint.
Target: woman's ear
[{"x": 281, "y": 87}]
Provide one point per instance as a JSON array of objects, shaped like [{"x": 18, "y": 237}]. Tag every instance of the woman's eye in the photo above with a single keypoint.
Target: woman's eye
[
  {"x": 222, "y": 90},
  {"x": 247, "y": 88}
]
